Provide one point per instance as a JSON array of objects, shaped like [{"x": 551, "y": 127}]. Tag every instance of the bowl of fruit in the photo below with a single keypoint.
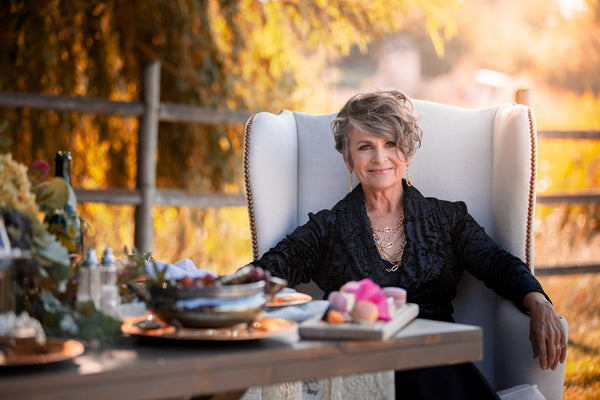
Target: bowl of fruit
[{"x": 213, "y": 302}]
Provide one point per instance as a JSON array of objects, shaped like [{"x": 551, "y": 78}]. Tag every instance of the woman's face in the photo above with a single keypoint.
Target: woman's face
[{"x": 377, "y": 162}]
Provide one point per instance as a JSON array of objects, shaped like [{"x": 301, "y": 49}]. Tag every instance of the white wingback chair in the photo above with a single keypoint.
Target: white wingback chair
[{"x": 485, "y": 157}]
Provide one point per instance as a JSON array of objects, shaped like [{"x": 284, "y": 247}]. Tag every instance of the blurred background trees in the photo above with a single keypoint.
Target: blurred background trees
[
  {"x": 268, "y": 55},
  {"x": 248, "y": 55},
  {"x": 245, "y": 55}
]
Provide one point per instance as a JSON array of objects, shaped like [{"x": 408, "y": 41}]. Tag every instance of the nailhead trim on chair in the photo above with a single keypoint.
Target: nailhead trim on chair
[
  {"x": 532, "y": 179},
  {"x": 247, "y": 132}
]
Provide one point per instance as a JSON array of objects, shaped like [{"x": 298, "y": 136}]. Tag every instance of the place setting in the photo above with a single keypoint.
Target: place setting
[
  {"x": 23, "y": 343},
  {"x": 186, "y": 303},
  {"x": 259, "y": 329},
  {"x": 288, "y": 297}
]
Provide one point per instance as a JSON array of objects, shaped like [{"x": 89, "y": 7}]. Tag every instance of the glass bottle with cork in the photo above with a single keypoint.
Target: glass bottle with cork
[
  {"x": 111, "y": 299},
  {"x": 89, "y": 285},
  {"x": 66, "y": 222}
]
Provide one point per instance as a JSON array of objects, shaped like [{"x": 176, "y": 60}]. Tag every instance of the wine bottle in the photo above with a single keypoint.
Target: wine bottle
[{"x": 71, "y": 222}]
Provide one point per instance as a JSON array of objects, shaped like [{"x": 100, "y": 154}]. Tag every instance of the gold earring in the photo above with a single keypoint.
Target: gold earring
[
  {"x": 351, "y": 186},
  {"x": 408, "y": 181}
]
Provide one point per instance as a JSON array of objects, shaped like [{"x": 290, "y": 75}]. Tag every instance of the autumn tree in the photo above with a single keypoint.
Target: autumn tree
[
  {"x": 247, "y": 55},
  {"x": 221, "y": 54}
]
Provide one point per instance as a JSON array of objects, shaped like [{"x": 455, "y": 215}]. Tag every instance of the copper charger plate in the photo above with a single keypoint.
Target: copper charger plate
[
  {"x": 292, "y": 299},
  {"x": 27, "y": 352},
  {"x": 260, "y": 329}
]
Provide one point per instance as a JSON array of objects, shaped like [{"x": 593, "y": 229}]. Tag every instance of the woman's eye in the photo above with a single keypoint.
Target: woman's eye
[
  {"x": 364, "y": 147},
  {"x": 390, "y": 145}
]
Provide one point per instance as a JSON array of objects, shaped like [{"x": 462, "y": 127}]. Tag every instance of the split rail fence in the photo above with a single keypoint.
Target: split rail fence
[{"x": 150, "y": 111}]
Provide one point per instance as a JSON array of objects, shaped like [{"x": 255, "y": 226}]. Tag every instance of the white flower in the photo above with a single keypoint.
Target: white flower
[
  {"x": 21, "y": 326},
  {"x": 68, "y": 325}
]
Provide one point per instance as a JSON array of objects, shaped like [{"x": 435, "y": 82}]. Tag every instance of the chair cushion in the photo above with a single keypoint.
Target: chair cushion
[{"x": 521, "y": 392}]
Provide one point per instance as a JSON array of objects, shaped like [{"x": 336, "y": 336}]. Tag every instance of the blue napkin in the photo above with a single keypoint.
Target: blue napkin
[{"x": 178, "y": 270}]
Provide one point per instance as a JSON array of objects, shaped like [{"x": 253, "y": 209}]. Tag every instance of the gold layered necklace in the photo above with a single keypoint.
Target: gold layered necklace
[{"x": 390, "y": 242}]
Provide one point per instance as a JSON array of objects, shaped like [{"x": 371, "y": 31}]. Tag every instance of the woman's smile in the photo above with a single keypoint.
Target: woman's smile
[
  {"x": 377, "y": 162},
  {"x": 380, "y": 171}
]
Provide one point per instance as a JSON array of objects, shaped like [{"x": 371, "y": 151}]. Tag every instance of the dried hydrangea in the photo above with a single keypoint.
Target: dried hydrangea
[{"x": 15, "y": 192}]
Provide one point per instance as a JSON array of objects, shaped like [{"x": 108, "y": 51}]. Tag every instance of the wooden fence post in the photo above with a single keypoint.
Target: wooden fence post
[
  {"x": 146, "y": 157},
  {"x": 523, "y": 96}
]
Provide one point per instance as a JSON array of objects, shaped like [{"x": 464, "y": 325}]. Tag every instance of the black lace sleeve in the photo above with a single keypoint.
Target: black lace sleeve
[
  {"x": 298, "y": 255},
  {"x": 502, "y": 272}
]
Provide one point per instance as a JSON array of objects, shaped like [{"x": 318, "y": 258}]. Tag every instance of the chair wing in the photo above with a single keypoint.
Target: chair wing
[{"x": 271, "y": 174}]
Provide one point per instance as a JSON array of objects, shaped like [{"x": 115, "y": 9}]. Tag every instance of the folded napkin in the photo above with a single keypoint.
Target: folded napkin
[
  {"x": 299, "y": 313},
  {"x": 178, "y": 270}
]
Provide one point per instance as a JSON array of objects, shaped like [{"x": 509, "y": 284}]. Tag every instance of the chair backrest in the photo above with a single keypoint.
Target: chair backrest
[{"x": 485, "y": 157}]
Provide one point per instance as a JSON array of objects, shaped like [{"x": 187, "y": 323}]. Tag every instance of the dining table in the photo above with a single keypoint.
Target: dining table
[{"x": 140, "y": 367}]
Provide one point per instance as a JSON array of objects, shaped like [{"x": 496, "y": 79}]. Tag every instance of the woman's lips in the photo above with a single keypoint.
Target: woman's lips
[{"x": 380, "y": 171}]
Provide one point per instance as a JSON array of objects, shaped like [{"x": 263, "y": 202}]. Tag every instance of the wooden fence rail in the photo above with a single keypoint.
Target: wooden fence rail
[
  {"x": 571, "y": 197},
  {"x": 168, "y": 112},
  {"x": 165, "y": 197},
  {"x": 582, "y": 134},
  {"x": 151, "y": 111}
]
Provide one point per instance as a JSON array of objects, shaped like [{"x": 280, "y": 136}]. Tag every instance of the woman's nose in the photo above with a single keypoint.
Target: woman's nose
[{"x": 378, "y": 155}]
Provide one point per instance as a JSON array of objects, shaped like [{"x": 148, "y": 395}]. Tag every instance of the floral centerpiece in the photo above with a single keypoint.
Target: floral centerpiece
[{"x": 46, "y": 281}]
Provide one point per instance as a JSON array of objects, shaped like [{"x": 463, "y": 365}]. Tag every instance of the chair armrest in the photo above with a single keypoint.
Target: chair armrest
[{"x": 514, "y": 355}]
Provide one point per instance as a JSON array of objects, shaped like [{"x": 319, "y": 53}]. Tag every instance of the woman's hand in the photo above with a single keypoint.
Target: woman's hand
[{"x": 546, "y": 331}]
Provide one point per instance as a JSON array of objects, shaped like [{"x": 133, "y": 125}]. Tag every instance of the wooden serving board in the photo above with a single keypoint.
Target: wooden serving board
[{"x": 319, "y": 329}]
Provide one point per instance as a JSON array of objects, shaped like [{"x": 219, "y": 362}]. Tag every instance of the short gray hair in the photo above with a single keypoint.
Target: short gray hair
[{"x": 388, "y": 114}]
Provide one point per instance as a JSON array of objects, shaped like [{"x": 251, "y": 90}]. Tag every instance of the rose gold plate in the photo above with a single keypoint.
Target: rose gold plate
[
  {"x": 260, "y": 329},
  {"x": 28, "y": 352},
  {"x": 293, "y": 299}
]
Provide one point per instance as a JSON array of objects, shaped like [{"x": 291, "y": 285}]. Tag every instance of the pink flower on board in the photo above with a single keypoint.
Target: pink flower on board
[{"x": 367, "y": 290}]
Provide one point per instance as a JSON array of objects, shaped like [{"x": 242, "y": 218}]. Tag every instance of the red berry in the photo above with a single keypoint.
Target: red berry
[
  {"x": 208, "y": 280},
  {"x": 187, "y": 281}
]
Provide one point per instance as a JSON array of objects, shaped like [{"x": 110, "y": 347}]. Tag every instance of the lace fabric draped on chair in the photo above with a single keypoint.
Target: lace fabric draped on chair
[{"x": 375, "y": 386}]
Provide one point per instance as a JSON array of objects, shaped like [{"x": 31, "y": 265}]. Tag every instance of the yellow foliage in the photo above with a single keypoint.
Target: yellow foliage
[
  {"x": 573, "y": 297},
  {"x": 566, "y": 110}
]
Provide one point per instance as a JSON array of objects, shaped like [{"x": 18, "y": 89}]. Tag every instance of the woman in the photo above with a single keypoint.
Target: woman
[{"x": 384, "y": 229}]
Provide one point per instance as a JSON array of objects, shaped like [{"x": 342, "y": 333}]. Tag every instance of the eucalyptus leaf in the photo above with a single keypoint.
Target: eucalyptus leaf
[
  {"x": 56, "y": 253},
  {"x": 93, "y": 324},
  {"x": 85, "y": 308},
  {"x": 51, "y": 303}
]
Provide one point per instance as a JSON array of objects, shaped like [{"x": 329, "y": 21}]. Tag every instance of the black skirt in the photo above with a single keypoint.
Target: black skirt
[{"x": 451, "y": 382}]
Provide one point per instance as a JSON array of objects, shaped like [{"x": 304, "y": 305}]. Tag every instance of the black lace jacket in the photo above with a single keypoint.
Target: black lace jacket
[{"x": 442, "y": 240}]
